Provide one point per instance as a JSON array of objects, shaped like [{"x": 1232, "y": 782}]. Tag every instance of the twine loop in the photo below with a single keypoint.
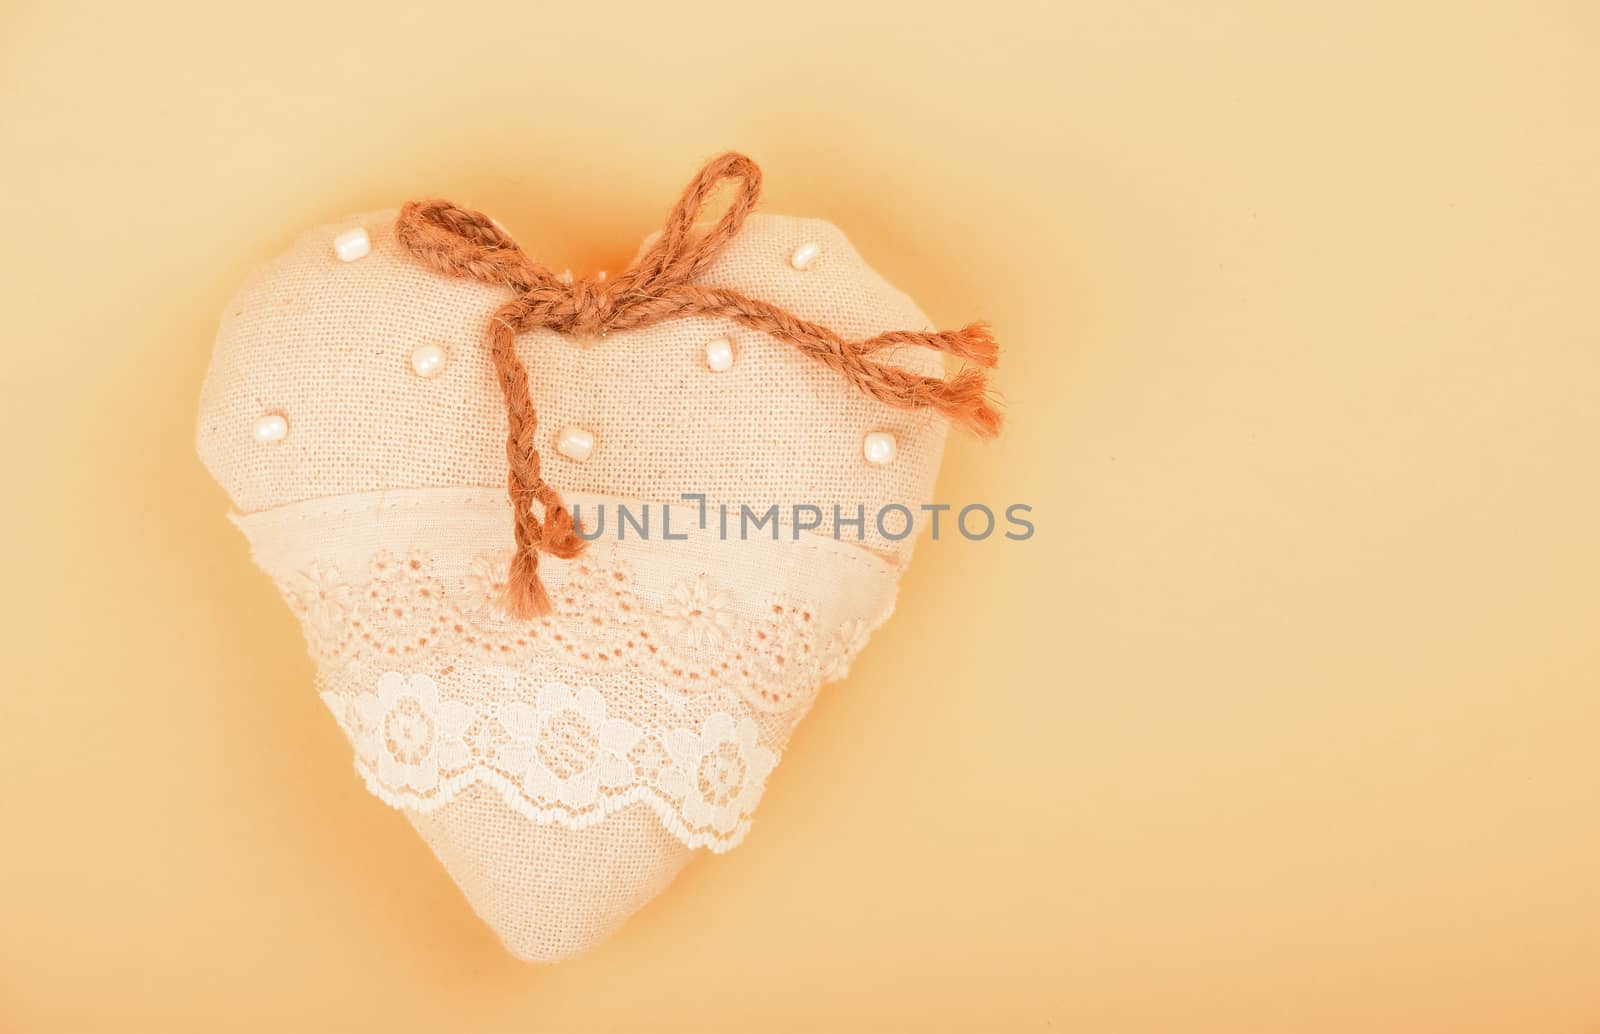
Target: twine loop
[{"x": 659, "y": 286}]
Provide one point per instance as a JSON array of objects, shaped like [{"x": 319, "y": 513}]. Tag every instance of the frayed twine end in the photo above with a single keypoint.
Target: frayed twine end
[
  {"x": 975, "y": 342},
  {"x": 525, "y": 596},
  {"x": 965, "y": 400}
]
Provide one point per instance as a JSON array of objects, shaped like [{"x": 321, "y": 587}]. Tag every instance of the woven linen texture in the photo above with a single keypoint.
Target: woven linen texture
[{"x": 563, "y": 769}]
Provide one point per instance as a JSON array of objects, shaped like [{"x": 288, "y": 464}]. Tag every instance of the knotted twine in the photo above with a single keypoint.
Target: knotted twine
[{"x": 659, "y": 286}]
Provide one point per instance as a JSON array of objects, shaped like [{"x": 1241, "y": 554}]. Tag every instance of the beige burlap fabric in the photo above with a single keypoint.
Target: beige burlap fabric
[{"x": 564, "y": 769}]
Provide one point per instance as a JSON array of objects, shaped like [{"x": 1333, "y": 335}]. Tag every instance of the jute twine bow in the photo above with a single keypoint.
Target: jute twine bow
[{"x": 659, "y": 286}]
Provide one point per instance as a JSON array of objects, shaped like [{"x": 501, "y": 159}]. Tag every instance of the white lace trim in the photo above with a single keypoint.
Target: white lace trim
[
  {"x": 561, "y": 760},
  {"x": 670, "y": 819},
  {"x": 669, "y": 678},
  {"x": 692, "y": 642}
]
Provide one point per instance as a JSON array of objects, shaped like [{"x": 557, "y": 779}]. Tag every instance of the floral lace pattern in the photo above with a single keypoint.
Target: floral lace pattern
[
  {"x": 691, "y": 643},
  {"x": 561, "y": 760},
  {"x": 439, "y": 690}
]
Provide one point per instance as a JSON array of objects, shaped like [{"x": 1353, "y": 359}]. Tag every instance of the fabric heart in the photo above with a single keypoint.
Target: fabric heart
[{"x": 564, "y": 734}]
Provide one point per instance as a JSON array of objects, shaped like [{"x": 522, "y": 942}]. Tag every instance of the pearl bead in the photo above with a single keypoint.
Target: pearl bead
[
  {"x": 271, "y": 428},
  {"x": 428, "y": 360},
  {"x": 719, "y": 354},
  {"x": 804, "y": 255},
  {"x": 352, "y": 244},
  {"x": 878, "y": 448},
  {"x": 575, "y": 443}
]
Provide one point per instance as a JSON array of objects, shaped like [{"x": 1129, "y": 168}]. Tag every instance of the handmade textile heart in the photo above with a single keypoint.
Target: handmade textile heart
[{"x": 564, "y": 733}]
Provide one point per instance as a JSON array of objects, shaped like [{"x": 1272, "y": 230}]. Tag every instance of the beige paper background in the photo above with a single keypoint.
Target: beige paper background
[{"x": 1285, "y": 721}]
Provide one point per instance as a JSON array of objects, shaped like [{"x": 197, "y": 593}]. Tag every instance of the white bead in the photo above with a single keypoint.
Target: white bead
[
  {"x": 352, "y": 244},
  {"x": 719, "y": 354},
  {"x": 575, "y": 443},
  {"x": 878, "y": 448},
  {"x": 428, "y": 360},
  {"x": 271, "y": 428},
  {"x": 804, "y": 255},
  {"x": 566, "y": 276}
]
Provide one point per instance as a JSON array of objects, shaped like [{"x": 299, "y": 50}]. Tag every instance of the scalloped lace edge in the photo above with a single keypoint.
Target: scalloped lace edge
[{"x": 451, "y": 787}]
